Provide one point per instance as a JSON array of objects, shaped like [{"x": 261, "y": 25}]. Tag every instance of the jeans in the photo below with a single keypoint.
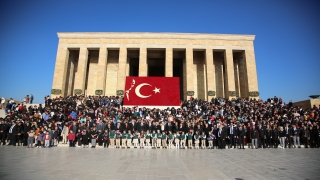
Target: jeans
[
  {"x": 71, "y": 143},
  {"x": 296, "y": 140},
  {"x": 282, "y": 141},
  {"x": 254, "y": 143},
  {"x": 30, "y": 141}
]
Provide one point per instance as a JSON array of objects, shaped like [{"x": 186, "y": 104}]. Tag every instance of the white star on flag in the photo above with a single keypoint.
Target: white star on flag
[{"x": 156, "y": 90}]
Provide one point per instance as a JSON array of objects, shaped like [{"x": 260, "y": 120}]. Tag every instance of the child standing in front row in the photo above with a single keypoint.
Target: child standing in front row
[
  {"x": 135, "y": 139},
  {"x": 71, "y": 138},
  {"x": 196, "y": 140},
  {"x": 47, "y": 140},
  {"x": 148, "y": 136},
  {"x": 177, "y": 140},
  {"x": 183, "y": 140},
  {"x": 141, "y": 138},
  {"x": 203, "y": 140},
  {"x": 30, "y": 138},
  {"x": 40, "y": 139}
]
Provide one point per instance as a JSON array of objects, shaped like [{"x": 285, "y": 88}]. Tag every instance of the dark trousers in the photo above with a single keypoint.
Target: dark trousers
[
  {"x": 79, "y": 142},
  {"x": 71, "y": 143},
  {"x": 232, "y": 141},
  {"x": 3, "y": 137},
  {"x": 262, "y": 142},
  {"x": 288, "y": 141},
  {"x": 305, "y": 141},
  {"x": 106, "y": 142},
  {"x": 241, "y": 142},
  {"x": 275, "y": 142},
  {"x": 100, "y": 141},
  {"x": 221, "y": 143},
  {"x": 268, "y": 142},
  {"x": 13, "y": 139}
]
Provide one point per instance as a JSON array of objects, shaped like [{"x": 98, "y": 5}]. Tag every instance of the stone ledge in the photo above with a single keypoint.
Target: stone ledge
[{"x": 151, "y": 35}]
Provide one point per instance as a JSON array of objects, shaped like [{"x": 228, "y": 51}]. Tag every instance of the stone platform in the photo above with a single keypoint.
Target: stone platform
[{"x": 63, "y": 162}]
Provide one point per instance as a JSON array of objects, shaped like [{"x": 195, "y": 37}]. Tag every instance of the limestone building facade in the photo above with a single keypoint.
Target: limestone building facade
[{"x": 208, "y": 65}]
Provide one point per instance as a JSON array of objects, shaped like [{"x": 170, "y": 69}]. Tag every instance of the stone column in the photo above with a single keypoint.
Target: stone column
[
  {"x": 169, "y": 62},
  {"x": 60, "y": 72},
  {"x": 210, "y": 75},
  {"x": 81, "y": 74},
  {"x": 70, "y": 74},
  {"x": 102, "y": 71},
  {"x": 251, "y": 72},
  {"x": 189, "y": 72},
  {"x": 143, "y": 66},
  {"x": 229, "y": 73},
  {"x": 121, "y": 70}
]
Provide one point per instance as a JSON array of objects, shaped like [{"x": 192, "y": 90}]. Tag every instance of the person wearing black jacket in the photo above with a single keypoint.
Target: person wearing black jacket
[
  {"x": 26, "y": 129},
  {"x": 313, "y": 136},
  {"x": 241, "y": 134},
  {"x": 13, "y": 131},
  {"x": 141, "y": 126},
  {"x": 262, "y": 135},
  {"x": 3, "y": 131},
  {"x": 254, "y": 135},
  {"x": 288, "y": 132},
  {"x": 268, "y": 136},
  {"x": 232, "y": 135},
  {"x": 248, "y": 136},
  {"x": 275, "y": 137},
  {"x": 221, "y": 138},
  {"x": 133, "y": 125},
  {"x": 305, "y": 134}
]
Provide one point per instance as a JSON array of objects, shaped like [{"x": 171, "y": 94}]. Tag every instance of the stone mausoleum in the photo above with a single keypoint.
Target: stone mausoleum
[{"x": 208, "y": 65}]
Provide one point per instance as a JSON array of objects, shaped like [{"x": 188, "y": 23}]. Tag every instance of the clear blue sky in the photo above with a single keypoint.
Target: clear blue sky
[{"x": 287, "y": 43}]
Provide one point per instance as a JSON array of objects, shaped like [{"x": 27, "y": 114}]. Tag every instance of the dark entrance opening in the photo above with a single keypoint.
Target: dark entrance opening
[
  {"x": 178, "y": 58},
  {"x": 156, "y": 62},
  {"x": 133, "y": 60}
]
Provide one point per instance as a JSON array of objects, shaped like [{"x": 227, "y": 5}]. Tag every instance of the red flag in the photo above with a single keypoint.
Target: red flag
[{"x": 152, "y": 91}]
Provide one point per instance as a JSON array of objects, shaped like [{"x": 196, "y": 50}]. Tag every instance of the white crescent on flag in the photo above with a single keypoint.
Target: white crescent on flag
[{"x": 137, "y": 90}]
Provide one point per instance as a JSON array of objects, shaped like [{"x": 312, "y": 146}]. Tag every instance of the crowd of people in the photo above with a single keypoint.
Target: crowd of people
[{"x": 102, "y": 121}]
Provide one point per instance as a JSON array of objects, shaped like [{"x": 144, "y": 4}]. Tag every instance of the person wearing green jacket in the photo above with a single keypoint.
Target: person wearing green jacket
[
  {"x": 190, "y": 135},
  {"x": 196, "y": 140},
  {"x": 129, "y": 138},
  {"x": 154, "y": 139},
  {"x": 177, "y": 140},
  {"x": 123, "y": 139},
  {"x": 164, "y": 140},
  {"x": 112, "y": 137},
  {"x": 135, "y": 139}
]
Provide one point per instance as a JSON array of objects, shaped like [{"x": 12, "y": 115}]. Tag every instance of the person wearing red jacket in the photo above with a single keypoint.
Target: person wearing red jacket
[{"x": 71, "y": 138}]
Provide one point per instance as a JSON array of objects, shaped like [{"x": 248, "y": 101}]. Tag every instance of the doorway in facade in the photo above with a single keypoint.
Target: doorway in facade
[{"x": 156, "y": 62}]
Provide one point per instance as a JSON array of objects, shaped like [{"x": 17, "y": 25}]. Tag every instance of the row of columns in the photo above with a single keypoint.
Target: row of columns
[{"x": 81, "y": 73}]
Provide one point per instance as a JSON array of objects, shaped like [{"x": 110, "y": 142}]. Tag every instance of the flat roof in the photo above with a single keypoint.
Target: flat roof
[{"x": 153, "y": 35}]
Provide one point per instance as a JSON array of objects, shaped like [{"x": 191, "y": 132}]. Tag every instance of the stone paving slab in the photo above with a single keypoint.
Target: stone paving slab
[{"x": 86, "y": 163}]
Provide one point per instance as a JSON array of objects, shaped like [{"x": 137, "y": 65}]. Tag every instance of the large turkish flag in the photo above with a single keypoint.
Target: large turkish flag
[{"x": 152, "y": 91}]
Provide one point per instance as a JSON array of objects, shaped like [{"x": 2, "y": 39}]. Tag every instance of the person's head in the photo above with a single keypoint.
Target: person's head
[
  {"x": 31, "y": 130},
  {"x": 71, "y": 131}
]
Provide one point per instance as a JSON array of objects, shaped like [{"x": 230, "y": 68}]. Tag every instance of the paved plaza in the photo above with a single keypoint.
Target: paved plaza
[{"x": 87, "y": 163}]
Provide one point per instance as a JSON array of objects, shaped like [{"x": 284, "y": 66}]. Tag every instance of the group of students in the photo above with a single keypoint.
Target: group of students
[
  {"x": 198, "y": 124},
  {"x": 221, "y": 135}
]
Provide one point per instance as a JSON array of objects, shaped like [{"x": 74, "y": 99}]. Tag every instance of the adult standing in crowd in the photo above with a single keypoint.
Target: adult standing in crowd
[{"x": 31, "y": 98}]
